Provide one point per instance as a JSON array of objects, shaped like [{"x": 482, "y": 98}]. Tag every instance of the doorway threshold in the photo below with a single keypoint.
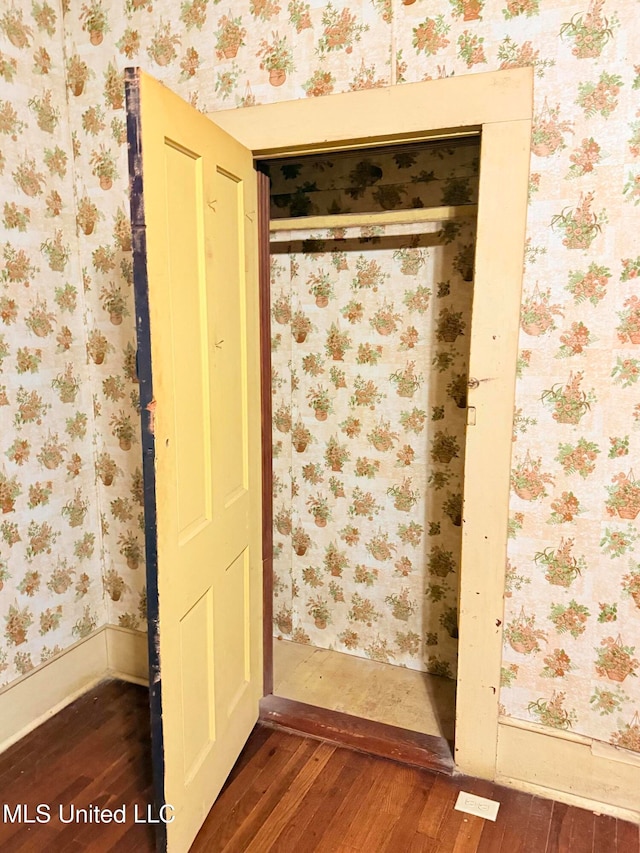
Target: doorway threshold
[
  {"x": 373, "y": 689},
  {"x": 379, "y": 739}
]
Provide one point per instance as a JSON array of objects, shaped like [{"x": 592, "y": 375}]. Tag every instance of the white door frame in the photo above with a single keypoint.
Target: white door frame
[{"x": 498, "y": 105}]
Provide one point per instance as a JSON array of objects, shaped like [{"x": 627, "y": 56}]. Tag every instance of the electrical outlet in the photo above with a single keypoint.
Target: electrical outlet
[{"x": 480, "y": 806}]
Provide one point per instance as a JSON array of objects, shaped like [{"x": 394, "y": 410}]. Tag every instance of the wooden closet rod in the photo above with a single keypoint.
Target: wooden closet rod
[{"x": 384, "y": 217}]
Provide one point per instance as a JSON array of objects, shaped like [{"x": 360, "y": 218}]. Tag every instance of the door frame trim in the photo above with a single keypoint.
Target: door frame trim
[
  {"x": 499, "y": 105},
  {"x": 433, "y": 109},
  {"x": 264, "y": 283},
  {"x": 428, "y": 752}
]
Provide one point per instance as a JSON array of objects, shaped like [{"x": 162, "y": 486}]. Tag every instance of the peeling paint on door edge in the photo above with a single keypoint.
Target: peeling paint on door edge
[{"x": 145, "y": 379}]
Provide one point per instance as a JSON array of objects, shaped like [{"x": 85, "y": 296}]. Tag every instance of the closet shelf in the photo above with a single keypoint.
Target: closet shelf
[{"x": 384, "y": 217}]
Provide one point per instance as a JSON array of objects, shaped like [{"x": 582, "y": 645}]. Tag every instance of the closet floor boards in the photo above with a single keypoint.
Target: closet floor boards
[
  {"x": 286, "y": 794},
  {"x": 365, "y": 688}
]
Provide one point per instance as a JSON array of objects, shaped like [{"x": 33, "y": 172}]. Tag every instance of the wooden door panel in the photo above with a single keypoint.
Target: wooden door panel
[
  {"x": 197, "y": 682},
  {"x": 198, "y": 212},
  {"x": 231, "y": 425},
  {"x": 234, "y": 636},
  {"x": 189, "y": 342}
]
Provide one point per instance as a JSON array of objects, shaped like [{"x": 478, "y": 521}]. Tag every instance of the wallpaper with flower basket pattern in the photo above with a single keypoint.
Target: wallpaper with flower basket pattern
[
  {"x": 370, "y": 350},
  {"x": 577, "y": 412},
  {"x": 50, "y": 541},
  {"x": 411, "y": 176}
]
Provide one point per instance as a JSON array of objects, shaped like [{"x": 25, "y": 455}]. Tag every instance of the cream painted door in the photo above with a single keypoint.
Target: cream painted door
[{"x": 194, "y": 213}]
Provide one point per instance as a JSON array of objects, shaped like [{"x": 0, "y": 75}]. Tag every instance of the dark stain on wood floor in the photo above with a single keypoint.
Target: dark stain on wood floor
[{"x": 287, "y": 794}]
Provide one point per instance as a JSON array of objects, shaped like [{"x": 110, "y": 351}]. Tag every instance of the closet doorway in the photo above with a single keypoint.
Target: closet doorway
[
  {"x": 371, "y": 280},
  {"x": 499, "y": 107}
]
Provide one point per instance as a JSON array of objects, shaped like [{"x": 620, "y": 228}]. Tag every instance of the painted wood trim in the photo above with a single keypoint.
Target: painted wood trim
[
  {"x": 384, "y": 741},
  {"x": 501, "y": 105},
  {"x": 33, "y": 698},
  {"x": 537, "y": 762},
  {"x": 502, "y": 213},
  {"x": 383, "y": 217},
  {"x": 147, "y": 405},
  {"x": 110, "y": 652},
  {"x": 264, "y": 282},
  {"x": 616, "y": 754},
  {"x": 544, "y": 730},
  {"x": 569, "y": 799},
  {"x": 395, "y": 113},
  {"x": 597, "y": 747},
  {"x": 127, "y": 655}
]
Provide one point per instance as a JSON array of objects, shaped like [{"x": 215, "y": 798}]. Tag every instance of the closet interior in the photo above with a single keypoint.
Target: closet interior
[{"x": 372, "y": 255}]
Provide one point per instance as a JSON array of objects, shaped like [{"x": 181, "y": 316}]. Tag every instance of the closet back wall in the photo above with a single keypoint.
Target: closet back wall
[{"x": 370, "y": 350}]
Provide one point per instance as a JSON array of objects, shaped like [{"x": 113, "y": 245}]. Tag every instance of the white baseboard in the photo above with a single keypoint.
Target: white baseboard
[
  {"x": 567, "y": 769},
  {"x": 31, "y": 699},
  {"x": 110, "y": 652},
  {"x": 127, "y": 655},
  {"x": 569, "y": 799}
]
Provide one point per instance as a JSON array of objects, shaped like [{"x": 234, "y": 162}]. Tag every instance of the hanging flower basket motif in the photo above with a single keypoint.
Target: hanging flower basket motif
[
  {"x": 615, "y": 661},
  {"x": 528, "y": 480},
  {"x": 561, "y": 567},
  {"x": 548, "y": 131},
  {"x": 628, "y": 737},
  {"x": 569, "y": 402},
  {"x": 624, "y": 496},
  {"x": 537, "y": 313},
  {"x": 523, "y": 636}
]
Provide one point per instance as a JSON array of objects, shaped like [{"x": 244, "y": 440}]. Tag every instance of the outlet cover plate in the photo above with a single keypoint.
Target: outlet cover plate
[{"x": 480, "y": 806}]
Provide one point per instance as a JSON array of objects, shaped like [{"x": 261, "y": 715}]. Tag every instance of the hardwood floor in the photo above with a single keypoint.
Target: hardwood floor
[
  {"x": 289, "y": 794},
  {"x": 286, "y": 794},
  {"x": 95, "y": 751}
]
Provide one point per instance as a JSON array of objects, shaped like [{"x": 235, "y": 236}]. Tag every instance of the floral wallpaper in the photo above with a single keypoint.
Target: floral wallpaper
[
  {"x": 95, "y": 95},
  {"x": 370, "y": 355},
  {"x": 50, "y": 542},
  {"x": 410, "y": 177},
  {"x": 577, "y": 420}
]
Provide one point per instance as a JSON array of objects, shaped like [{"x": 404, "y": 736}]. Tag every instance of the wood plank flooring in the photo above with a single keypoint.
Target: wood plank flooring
[
  {"x": 95, "y": 751},
  {"x": 286, "y": 794}
]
